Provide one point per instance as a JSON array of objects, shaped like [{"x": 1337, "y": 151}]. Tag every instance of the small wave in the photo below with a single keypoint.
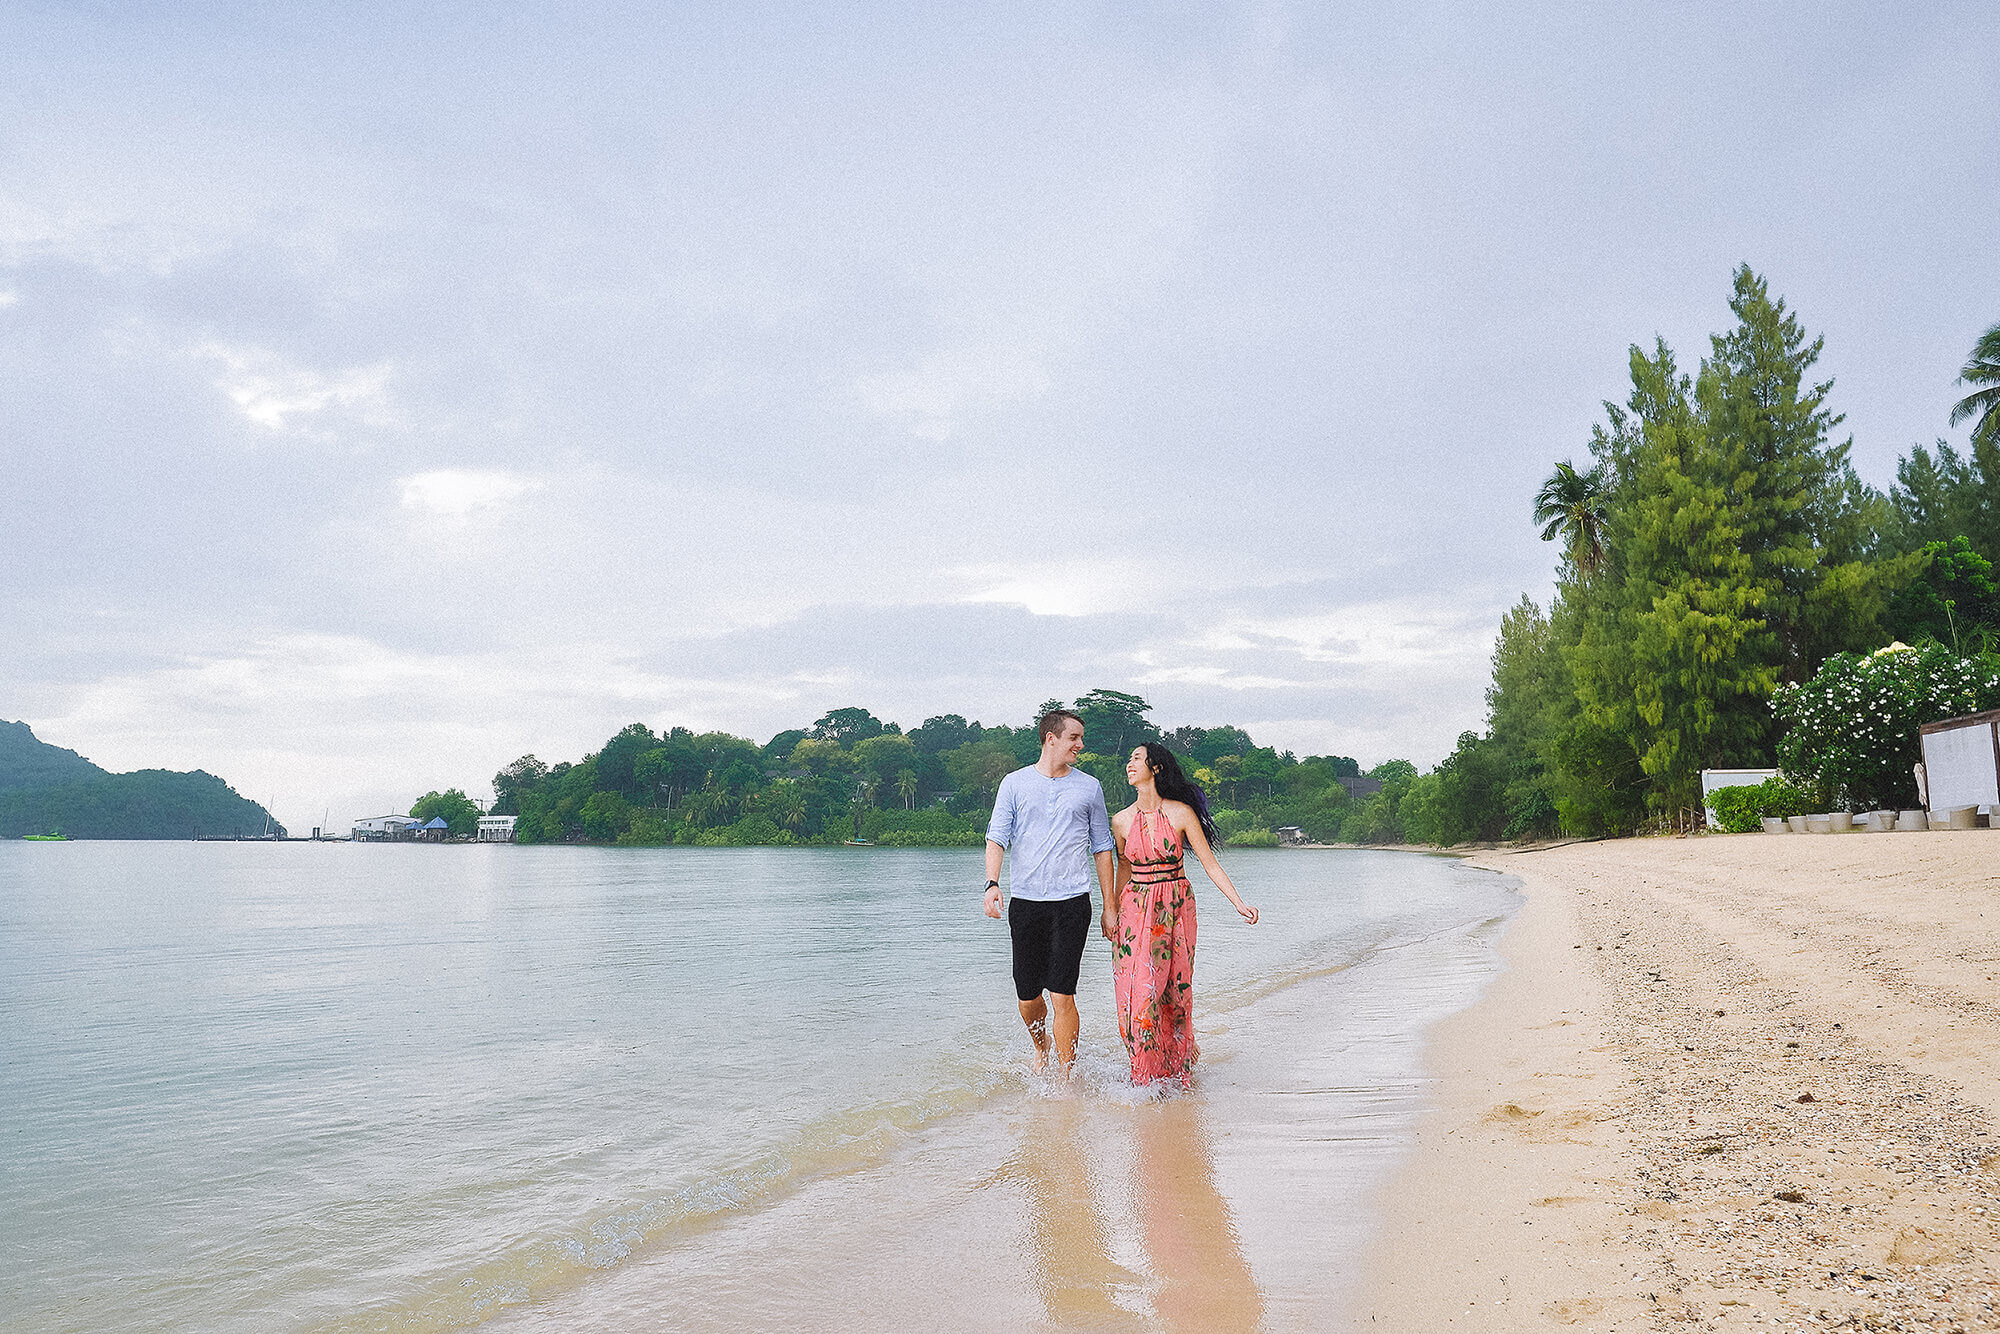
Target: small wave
[{"x": 848, "y": 1140}]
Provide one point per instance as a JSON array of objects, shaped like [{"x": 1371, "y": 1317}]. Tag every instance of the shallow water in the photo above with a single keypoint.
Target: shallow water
[{"x": 396, "y": 1087}]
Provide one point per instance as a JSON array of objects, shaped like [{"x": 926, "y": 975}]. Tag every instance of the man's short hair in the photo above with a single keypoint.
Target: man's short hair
[{"x": 1052, "y": 723}]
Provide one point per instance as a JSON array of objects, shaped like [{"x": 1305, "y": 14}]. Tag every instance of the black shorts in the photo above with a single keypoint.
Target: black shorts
[{"x": 1048, "y": 944}]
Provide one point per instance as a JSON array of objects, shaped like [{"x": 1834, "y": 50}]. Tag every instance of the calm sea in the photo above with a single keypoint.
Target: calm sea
[{"x": 320, "y": 1087}]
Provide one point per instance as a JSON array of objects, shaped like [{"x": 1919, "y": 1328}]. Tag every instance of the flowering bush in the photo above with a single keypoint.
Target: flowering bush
[{"x": 1852, "y": 730}]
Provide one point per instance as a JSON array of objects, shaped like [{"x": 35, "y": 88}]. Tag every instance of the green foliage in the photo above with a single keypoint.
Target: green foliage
[
  {"x": 1254, "y": 838},
  {"x": 148, "y": 804},
  {"x": 1951, "y": 597},
  {"x": 1232, "y": 825},
  {"x": 617, "y": 762},
  {"x": 1742, "y": 809},
  {"x": 27, "y": 761},
  {"x": 1731, "y": 548},
  {"x": 881, "y": 760},
  {"x": 1779, "y": 799},
  {"x": 844, "y": 727},
  {"x": 460, "y": 816},
  {"x": 606, "y": 816},
  {"x": 1943, "y": 494},
  {"x": 1114, "y": 722},
  {"x": 932, "y": 828},
  {"x": 1571, "y": 505},
  {"x": 1736, "y": 808},
  {"x": 647, "y": 830},
  {"x": 945, "y": 732},
  {"x": 1981, "y": 407},
  {"x": 523, "y": 775},
  {"x": 1672, "y": 647},
  {"x": 48, "y": 789},
  {"x": 1463, "y": 800},
  {"x": 977, "y": 767},
  {"x": 1379, "y": 818},
  {"x": 1852, "y": 730},
  {"x": 1527, "y": 704},
  {"x": 752, "y": 831}
]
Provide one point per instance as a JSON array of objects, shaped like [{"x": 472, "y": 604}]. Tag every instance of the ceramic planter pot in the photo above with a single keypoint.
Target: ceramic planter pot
[{"x": 1773, "y": 825}]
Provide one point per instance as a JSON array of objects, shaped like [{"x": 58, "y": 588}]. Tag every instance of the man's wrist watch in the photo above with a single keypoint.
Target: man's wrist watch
[{"x": 993, "y": 884}]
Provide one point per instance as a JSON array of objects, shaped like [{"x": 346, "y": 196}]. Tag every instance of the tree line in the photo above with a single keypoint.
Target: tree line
[
  {"x": 852, "y": 775},
  {"x": 1718, "y": 552}
]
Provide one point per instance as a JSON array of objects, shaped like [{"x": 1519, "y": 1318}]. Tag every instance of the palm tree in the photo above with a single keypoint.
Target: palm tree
[
  {"x": 1572, "y": 503},
  {"x": 906, "y": 788},
  {"x": 1984, "y": 402},
  {"x": 787, "y": 803}
]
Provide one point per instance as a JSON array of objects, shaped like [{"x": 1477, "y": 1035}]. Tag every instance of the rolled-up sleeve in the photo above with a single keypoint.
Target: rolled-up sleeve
[
  {"x": 1000, "y": 828},
  {"x": 1100, "y": 824}
]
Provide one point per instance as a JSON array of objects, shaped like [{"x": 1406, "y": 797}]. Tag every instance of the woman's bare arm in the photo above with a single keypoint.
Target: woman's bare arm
[{"x": 1189, "y": 829}]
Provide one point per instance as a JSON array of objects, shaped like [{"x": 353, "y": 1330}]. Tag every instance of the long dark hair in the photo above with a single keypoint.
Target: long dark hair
[{"x": 1177, "y": 786}]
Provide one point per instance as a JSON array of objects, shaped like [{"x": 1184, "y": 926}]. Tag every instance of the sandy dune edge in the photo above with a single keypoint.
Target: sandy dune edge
[{"x": 1746, "y": 1082}]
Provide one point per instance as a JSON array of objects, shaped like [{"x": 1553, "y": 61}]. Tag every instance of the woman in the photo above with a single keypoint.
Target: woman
[{"x": 1149, "y": 918}]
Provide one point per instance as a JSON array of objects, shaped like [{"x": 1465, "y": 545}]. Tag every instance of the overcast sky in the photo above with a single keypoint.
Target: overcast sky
[{"x": 388, "y": 391}]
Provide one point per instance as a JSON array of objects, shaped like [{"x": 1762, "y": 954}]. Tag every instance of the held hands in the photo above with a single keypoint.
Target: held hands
[
  {"x": 993, "y": 901},
  {"x": 1107, "y": 924}
]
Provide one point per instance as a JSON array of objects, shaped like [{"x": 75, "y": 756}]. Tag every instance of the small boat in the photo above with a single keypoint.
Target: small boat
[
  {"x": 46, "y": 838},
  {"x": 857, "y": 843}
]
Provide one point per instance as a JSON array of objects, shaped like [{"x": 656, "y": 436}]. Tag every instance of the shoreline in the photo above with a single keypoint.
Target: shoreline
[{"x": 1728, "y": 1081}]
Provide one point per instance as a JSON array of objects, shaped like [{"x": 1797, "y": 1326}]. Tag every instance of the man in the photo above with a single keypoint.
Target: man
[{"x": 1051, "y": 816}]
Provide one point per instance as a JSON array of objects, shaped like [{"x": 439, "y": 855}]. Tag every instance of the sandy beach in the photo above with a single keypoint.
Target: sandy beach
[{"x": 1726, "y": 1082}]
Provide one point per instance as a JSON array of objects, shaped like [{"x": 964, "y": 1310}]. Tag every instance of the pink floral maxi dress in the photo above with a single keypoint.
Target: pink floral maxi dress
[{"x": 1152, "y": 960}]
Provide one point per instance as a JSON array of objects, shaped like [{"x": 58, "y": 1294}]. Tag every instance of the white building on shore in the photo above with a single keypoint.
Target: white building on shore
[
  {"x": 496, "y": 829},
  {"x": 383, "y": 828}
]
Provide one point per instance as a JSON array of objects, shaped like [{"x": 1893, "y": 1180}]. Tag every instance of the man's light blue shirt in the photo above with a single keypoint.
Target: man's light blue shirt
[{"x": 1053, "y": 827}]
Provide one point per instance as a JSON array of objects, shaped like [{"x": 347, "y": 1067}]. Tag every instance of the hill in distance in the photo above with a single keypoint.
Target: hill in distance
[
  {"x": 28, "y": 762},
  {"x": 47, "y": 789}
]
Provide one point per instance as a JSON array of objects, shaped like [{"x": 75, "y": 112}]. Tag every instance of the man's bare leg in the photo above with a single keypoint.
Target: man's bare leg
[
  {"x": 1035, "y": 1014},
  {"x": 1065, "y": 1023}
]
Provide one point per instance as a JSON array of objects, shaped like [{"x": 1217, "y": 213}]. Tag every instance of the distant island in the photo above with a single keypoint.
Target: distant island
[{"x": 48, "y": 789}]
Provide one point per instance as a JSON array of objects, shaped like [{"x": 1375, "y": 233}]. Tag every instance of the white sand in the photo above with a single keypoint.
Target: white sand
[{"x": 1620, "y": 1140}]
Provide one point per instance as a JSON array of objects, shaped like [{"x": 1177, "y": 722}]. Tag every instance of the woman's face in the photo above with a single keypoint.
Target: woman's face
[{"x": 1136, "y": 770}]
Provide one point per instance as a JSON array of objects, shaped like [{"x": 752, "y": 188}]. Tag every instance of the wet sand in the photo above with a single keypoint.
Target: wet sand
[{"x": 1727, "y": 1082}]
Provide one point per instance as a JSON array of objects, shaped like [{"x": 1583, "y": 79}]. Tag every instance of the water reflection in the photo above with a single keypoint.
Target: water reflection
[
  {"x": 1069, "y": 1238},
  {"x": 1200, "y": 1279},
  {"x": 1195, "y": 1278}
]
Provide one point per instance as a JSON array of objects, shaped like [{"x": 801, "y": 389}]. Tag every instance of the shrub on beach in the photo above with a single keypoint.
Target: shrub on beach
[
  {"x": 1851, "y": 731},
  {"x": 1743, "y": 809},
  {"x": 1736, "y": 808}
]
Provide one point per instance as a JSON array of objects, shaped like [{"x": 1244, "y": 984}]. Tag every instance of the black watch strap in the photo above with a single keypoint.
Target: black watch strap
[{"x": 993, "y": 884}]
